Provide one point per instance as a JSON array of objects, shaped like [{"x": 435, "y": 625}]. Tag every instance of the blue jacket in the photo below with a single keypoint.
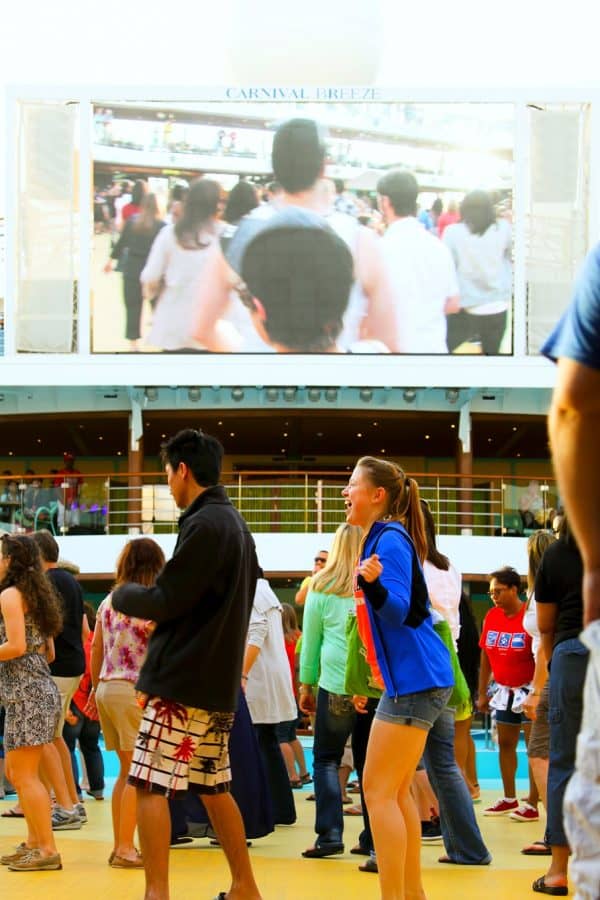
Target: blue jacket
[{"x": 411, "y": 656}]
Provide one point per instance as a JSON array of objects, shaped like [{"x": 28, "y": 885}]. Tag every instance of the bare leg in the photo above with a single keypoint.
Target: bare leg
[
  {"x": 23, "y": 767},
  {"x": 52, "y": 771},
  {"x": 299, "y": 756},
  {"x": 392, "y": 757},
  {"x": 424, "y": 796},
  {"x": 534, "y": 798},
  {"x": 288, "y": 758},
  {"x": 65, "y": 759},
  {"x": 343, "y": 776},
  {"x": 557, "y": 873},
  {"x": 124, "y": 807},
  {"x": 539, "y": 767},
  {"x": 228, "y": 825},
  {"x": 508, "y": 737},
  {"x": 463, "y": 749},
  {"x": 154, "y": 826},
  {"x": 471, "y": 766}
]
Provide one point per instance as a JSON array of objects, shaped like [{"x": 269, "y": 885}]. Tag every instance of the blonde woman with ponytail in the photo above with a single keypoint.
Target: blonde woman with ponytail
[
  {"x": 323, "y": 663},
  {"x": 406, "y": 655}
]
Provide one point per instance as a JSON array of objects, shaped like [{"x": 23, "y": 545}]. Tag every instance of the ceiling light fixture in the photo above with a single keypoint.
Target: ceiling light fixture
[
  {"x": 194, "y": 394},
  {"x": 410, "y": 395},
  {"x": 237, "y": 394},
  {"x": 366, "y": 395},
  {"x": 272, "y": 394},
  {"x": 452, "y": 395},
  {"x": 314, "y": 395},
  {"x": 151, "y": 394}
]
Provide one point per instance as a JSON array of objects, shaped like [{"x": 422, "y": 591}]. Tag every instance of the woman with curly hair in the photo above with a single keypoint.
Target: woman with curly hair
[
  {"x": 30, "y": 618},
  {"x": 118, "y": 651}
]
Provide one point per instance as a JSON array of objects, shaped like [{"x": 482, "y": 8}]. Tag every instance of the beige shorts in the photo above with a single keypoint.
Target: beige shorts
[
  {"x": 66, "y": 689},
  {"x": 180, "y": 748},
  {"x": 120, "y": 715}
]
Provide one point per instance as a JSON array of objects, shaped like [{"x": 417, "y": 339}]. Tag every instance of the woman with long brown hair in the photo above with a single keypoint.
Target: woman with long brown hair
[
  {"x": 176, "y": 265},
  {"x": 406, "y": 656},
  {"x": 118, "y": 651},
  {"x": 30, "y": 618}
]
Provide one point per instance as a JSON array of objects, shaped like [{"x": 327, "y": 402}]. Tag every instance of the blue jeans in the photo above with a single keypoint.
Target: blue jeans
[
  {"x": 333, "y": 725},
  {"x": 87, "y": 731},
  {"x": 462, "y": 838},
  {"x": 567, "y": 677}
]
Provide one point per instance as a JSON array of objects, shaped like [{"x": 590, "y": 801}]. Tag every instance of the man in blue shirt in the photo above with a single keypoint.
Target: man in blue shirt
[{"x": 574, "y": 424}]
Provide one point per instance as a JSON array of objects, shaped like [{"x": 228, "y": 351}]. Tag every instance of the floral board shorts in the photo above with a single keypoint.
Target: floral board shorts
[{"x": 179, "y": 748}]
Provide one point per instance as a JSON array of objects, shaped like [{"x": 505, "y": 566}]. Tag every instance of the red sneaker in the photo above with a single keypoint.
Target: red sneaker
[
  {"x": 501, "y": 807},
  {"x": 525, "y": 813}
]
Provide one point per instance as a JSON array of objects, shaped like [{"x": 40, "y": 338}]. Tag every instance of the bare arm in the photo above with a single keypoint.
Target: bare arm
[
  {"x": 485, "y": 673},
  {"x": 380, "y": 322},
  {"x": 212, "y": 300},
  {"x": 97, "y": 654},
  {"x": 50, "y": 651},
  {"x": 574, "y": 424},
  {"x": 547, "y": 615},
  {"x": 11, "y": 604},
  {"x": 300, "y": 597}
]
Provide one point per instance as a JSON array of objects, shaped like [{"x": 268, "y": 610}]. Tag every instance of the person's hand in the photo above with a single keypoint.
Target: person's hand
[
  {"x": 483, "y": 704},
  {"x": 370, "y": 568},
  {"x": 359, "y": 703},
  {"x": 70, "y": 718},
  {"x": 306, "y": 701},
  {"x": 530, "y": 706},
  {"x": 108, "y": 267},
  {"x": 591, "y": 596},
  {"x": 452, "y": 305}
]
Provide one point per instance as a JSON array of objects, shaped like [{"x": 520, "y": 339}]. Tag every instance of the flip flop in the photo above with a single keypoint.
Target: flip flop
[
  {"x": 369, "y": 865},
  {"x": 360, "y": 851},
  {"x": 321, "y": 852},
  {"x": 353, "y": 811},
  {"x": 12, "y": 814},
  {"x": 556, "y": 890},
  {"x": 453, "y": 862},
  {"x": 537, "y": 848}
]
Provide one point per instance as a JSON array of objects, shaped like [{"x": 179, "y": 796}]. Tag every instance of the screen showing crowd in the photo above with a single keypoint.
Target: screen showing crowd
[{"x": 302, "y": 228}]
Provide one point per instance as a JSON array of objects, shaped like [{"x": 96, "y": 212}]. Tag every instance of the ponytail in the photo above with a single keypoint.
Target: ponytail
[{"x": 403, "y": 495}]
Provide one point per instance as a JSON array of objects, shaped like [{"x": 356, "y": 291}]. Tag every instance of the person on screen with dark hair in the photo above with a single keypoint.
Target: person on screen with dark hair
[
  {"x": 420, "y": 268},
  {"x": 481, "y": 247},
  {"x": 201, "y": 603},
  {"x": 298, "y": 158},
  {"x": 298, "y": 281}
]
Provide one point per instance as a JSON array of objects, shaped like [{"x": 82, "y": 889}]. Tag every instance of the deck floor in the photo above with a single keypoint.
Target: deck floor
[{"x": 199, "y": 873}]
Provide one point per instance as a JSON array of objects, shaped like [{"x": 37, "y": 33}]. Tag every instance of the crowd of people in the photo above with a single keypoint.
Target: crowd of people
[
  {"x": 304, "y": 265},
  {"x": 197, "y": 677},
  {"x": 26, "y": 503}
]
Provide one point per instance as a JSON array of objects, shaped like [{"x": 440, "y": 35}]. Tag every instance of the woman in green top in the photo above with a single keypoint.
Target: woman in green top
[{"x": 323, "y": 662}]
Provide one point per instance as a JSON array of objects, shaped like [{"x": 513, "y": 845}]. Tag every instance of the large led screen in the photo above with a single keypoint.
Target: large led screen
[{"x": 259, "y": 227}]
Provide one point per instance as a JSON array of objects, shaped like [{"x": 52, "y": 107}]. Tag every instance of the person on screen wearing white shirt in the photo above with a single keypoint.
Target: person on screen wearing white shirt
[{"x": 420, "y": 267}]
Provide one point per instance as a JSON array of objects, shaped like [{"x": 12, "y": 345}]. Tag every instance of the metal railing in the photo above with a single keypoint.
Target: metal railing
[{"x": 269, "y": 501}]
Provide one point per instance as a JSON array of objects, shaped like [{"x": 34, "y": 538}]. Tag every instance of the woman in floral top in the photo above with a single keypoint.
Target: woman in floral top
[{"x": 118, "y": 651}]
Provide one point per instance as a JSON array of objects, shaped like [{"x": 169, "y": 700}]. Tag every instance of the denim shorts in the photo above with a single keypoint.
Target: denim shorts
[
  {"x": 420, "y": 709},
  {"x": 508, "y": 717}
]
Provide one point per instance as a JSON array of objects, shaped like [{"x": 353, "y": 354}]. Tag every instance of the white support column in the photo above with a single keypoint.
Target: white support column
[{"x": 521, "y": 210}]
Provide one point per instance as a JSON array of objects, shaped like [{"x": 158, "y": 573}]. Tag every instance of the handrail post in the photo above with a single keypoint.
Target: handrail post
[
  {"x": 437, "y": 503},
  {"x": 107, "y": 523},
  {"x": 306, "y": 502},
  {"x": 319, "y": 498},
  {"x": 502, "y": 489},
  {"x": 239, "y": 492}
]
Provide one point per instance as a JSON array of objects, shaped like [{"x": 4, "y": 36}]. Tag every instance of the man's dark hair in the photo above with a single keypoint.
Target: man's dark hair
[
  {"x": 401, "y": 189},
  {"x": 340, "y": 185},
  {"x": 46, "y": 544},
  {"x": 302, "y": 277},
  {"x": 508, "y": 577},
  {"x": 437, "y": 206},
  {"x": 298, "y": 154},
  {"x": 477, "y": 212},
  {"x": 202, "y": 454}
]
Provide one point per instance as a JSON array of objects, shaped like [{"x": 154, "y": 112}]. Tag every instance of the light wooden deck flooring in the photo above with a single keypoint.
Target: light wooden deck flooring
[{"x": 200, "y": 873}]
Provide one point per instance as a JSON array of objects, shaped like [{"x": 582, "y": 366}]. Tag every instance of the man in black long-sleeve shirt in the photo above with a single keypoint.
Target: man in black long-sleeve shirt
[{"x": 201, "y": 605}]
